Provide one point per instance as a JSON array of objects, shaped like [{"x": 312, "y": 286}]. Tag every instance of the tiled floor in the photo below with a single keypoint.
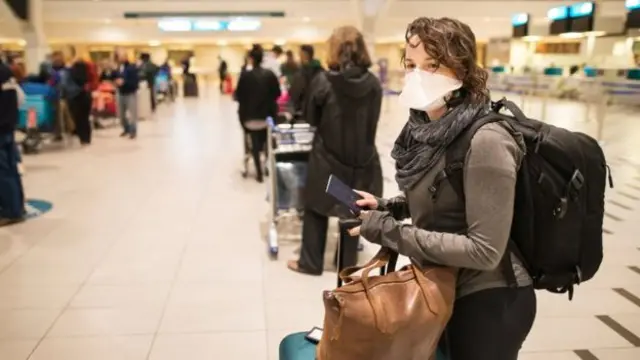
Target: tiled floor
[{"x": 153, "y": 250}]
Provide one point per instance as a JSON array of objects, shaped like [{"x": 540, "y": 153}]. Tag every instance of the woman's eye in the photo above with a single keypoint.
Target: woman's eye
[{"x": 409, "y": 66}]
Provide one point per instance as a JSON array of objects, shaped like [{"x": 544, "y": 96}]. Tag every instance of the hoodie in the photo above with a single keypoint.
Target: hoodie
[
  {"x": 299, "y": 89},
  {"x": 345, "y": 108}
]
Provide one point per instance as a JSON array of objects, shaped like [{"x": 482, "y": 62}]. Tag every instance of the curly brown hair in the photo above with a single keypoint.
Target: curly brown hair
[
  {"x": 347, "y": 48},
  {"x": 452, "y": 43}
]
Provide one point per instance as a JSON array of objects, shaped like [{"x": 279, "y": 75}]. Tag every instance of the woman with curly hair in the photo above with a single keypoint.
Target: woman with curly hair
[
  {"x": 344, "y": 105},
  {"x": 446, "y": 92}
]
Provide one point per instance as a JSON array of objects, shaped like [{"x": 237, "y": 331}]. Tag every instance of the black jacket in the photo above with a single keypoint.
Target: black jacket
[
  {"x": 8, "y": 100},
  {"x": 257, "y": 92},
  {"x": 345, "y": 109},
  {"x": 300, "y": 82}
]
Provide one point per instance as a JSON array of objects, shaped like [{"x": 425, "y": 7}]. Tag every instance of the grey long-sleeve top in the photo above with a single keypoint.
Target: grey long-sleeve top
[{"x": 477, "y": 227}]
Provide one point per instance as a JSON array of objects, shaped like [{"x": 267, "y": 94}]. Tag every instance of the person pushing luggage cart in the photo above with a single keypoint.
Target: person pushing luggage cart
[{"x": 257, "y": 93}]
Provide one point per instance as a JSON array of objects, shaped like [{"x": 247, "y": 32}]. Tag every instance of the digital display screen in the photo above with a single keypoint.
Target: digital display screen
[
  {"x": 520, "y": 19},
  {"x": 558, "y": 27},
  {"x": 633, "y": 19},
  {"x": 581, "y": 9},
  {"x": 520, "y": 31},
  {"x": 632, "y": 4},
  {"x": 582, "y": 24},
  {"x": 558, "y": 13}
]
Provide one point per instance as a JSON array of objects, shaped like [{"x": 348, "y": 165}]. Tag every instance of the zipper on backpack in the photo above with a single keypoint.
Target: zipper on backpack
[
  {"x": 609, "y": 176},
  {"x": 434, "y": 189}
]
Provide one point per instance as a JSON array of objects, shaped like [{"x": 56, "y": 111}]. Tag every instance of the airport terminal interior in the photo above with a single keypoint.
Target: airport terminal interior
[{"x": 161, "y": 248}]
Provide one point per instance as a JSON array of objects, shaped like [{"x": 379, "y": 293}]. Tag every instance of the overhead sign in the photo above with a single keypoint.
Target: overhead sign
[
  {"x": 185, "y": 25},
  {"x": 581, "y": 9},
  {"x": 632, "y": 4},
  {"x": 558, "y": 13},
  {"x": 519, "y": 19}
]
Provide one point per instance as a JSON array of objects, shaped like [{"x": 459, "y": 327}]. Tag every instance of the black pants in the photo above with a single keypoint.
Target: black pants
[
  {"x": 80, "y": 109},
  {"x": 490, "y": 324},
  {"x": 314, "y": 242},
  {"x": 152, "y": 93},
  {"x": 258, "y": 145},
  {"x": 11, "y": 191}
]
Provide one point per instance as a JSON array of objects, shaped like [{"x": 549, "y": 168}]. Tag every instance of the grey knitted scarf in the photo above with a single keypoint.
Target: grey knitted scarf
[{"x": 422, "y": 142}]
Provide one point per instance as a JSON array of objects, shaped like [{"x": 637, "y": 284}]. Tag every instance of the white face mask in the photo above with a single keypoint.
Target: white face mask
[{"x": 425, "y": 90}]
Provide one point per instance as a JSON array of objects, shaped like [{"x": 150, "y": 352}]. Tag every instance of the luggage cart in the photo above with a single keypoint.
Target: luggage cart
[{"x": 287, "y": 144}]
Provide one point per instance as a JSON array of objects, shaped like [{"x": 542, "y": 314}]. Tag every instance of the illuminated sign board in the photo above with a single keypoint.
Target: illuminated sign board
[
  {"x": 581, "y": 9},
  {"x": 632, "y": 4},
  {"x": 558, "y": 13},
  {"x": 519, "y": 19},
  {"x": 184, "y": 25}
]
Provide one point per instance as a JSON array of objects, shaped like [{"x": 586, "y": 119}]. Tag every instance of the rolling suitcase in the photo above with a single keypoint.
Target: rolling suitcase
[{"x": 190, "y": 86}]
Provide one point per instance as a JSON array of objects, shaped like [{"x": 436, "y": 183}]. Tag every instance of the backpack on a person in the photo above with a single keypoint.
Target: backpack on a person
[{"x": 559, "y": 202}]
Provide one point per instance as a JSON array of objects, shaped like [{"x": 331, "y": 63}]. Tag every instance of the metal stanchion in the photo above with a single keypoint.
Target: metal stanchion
[{"x": 601, "y": 112}]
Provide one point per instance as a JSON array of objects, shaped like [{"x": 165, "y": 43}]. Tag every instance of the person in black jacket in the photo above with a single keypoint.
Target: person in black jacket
[
  {"x": 78, "y": 95},
  {"x": 148, "y": 72},
  {"x": 344, "y": 105},
  {"x": 299, "y": 85},
  {"x": 11, "y": 191},
  {"x": 257, "y": 93},
  {"x": 127, "y": 81}
]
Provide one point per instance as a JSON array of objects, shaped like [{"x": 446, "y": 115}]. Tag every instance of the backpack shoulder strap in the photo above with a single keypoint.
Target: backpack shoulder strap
[{"x": 456, "y": 154}]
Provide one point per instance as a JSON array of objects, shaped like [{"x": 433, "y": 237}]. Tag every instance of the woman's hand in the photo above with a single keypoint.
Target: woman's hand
[
  {"x": 363, "y": 216},
  {"x": 368, "y": 201}
]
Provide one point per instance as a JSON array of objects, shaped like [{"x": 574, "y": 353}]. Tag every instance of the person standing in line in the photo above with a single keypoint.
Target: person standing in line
[
  {"x": 223, "y": 71},
  {"x": 11, "y": 191},
  {"x": 344, "y": 106},
  {"x": 290, "y": 67},
  {"x": 271, "y": 61},
  {"x": 299, "y": 90},
  {"x": 148, "y": 72},
  {"x": 257, "y": 94},
  {"x": 127, "y": 81},
  {"x": 76, "y": 92}
]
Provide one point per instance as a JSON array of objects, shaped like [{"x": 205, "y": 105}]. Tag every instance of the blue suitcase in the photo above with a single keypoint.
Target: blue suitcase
[{"x": 297, "y": 347}]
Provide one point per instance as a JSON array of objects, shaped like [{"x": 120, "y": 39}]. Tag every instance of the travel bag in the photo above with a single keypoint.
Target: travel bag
[
  {"x": 559, "y": 200},
  {"x": 397, "y": 315}
]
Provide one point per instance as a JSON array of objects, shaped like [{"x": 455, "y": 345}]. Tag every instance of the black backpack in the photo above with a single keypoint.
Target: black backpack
[{"x": 559, "y": 202}]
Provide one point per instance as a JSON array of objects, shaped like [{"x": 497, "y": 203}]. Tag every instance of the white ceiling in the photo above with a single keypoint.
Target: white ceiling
[{"x": 305, "y": 20}]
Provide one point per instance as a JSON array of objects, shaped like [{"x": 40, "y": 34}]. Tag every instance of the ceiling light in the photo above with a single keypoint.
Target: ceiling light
[
  {"x": 174, "y": 25},
  {"x": 280, "y": 42},
  {"x": 244, "y": 25},
  {"x": 208, "y": 25},
  {"x": 222, "y": 43},
  {"x": 107, "y": 21},
  {"x": 306, "y": 19},
  {"x": 22, "y": 42},
  {"x": 154, "y": 43}
]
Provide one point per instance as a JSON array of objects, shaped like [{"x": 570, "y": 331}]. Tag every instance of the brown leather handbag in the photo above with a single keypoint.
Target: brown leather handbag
[{"x": 397, "y": 316}]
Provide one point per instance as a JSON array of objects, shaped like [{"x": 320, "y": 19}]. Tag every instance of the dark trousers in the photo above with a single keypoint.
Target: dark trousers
[
  {"x": 80, "y": 109},
  {"x": 314, "y": 242},
  {"x": 11, "y": 191},
  {"x": 491, "y": 324},
  {"x": 152, "y": 93},
  {"x": 258, "y": 145}
]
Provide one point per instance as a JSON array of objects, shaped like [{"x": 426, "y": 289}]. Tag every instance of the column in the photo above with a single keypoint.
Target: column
[
  {"x": 369, "y": 33},
  {"x": 36, "y": 48},
  {"x": 368, "y": 18}
]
